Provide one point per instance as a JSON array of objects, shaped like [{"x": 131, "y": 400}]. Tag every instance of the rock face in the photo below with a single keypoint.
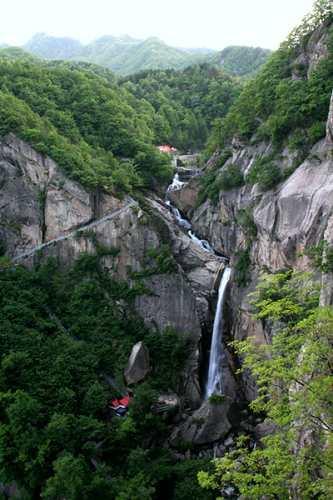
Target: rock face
[
  {"x": 208, "y": 424},
  {"x": 289, "y": 219},
  {"x": 44, "y": 214},
  {"x": 138, "y": 364},
  {"x": 186, "y": 199},
  {"x": 329, "y": 128}
]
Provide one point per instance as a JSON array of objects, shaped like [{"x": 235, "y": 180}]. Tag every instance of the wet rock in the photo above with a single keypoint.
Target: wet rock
[
  {"x": 138, "y": 364},
  {"x": 208, "y": 424},
  {"x": 186, "y": 199},
  {"x": 167, "y": 404},
  {"x": 263, "y": 429}
]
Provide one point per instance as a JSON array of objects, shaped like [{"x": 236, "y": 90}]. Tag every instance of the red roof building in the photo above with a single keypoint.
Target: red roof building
[{"x": 166, "y": 148}]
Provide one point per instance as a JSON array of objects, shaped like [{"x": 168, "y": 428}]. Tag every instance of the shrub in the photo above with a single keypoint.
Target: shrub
[
  {"x": 244, "y": 218},
  {"x": 216, "y": 399},
  {"x": 265, "y": 173},
  {"x": 231, "y": 177},
  {"x": 242, "y": 267},
  {"x": 321, "y": 256}
]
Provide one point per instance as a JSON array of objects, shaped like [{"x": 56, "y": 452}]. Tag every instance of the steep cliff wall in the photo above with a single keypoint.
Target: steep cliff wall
[
  {"x": 44, "y": 214},
  {"x": 288, "y": 220}
]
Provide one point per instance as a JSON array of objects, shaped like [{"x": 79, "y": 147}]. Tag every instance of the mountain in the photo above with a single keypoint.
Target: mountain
[
  {"x": 108, "y": 300},
  {"x": 50, "y": 47},
  {"x": 123, "y": 55},
  {"x": 240, "y": 60}
]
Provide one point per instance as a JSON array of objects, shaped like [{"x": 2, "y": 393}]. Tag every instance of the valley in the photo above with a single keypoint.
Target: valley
[{"x": 192, "y": 288}]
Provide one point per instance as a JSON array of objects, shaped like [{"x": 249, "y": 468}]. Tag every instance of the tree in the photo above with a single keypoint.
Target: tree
[{"x": 294, "y": 377}]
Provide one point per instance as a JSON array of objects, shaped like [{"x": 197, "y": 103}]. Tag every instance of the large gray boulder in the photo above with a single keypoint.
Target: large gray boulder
[
  {"x": 138, "y": 364},
  {"x": 207, "y": 425}
]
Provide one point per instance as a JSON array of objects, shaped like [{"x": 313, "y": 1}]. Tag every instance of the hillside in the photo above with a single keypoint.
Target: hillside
[
  {"x": 242, "y": 61},
  {"x": 126, "y": 55},
  {"x": 186, "y": 102},
  {"x": 123, "y": 55},
  {"x": 166, "y": 326}
]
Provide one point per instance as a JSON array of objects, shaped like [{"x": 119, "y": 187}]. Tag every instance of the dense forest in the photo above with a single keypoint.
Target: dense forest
[
  {"x": 186, "y": 102},
  {"x": 64, "y": 335},
  {"x": 241, "y": 61},
  {"x": 95, "y": 130},
  {"x": 282, "y": 103},
  {"x": 102, "y": 132},
  {"x": 67, "y": 331},
  {"x": 123, "y": 55}
]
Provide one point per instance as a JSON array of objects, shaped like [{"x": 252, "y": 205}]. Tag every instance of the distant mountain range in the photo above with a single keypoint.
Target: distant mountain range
[
  {"x": 126, "y": 55},
  {"x": 240, "y": 60},
  {"x": 123, "y": 55}
]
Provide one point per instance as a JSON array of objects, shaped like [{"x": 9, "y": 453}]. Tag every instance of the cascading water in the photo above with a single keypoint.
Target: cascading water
[
  {"x": 176, "y": 185},
  {"x": 214, "y": 382}
]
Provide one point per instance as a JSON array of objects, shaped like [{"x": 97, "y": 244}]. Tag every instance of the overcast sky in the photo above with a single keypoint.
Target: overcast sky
[{"x": 184, "y": 23}]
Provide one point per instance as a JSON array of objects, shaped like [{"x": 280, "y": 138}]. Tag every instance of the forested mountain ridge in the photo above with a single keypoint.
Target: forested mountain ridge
[
  {"x": 126, "y": 55},
  {"x": 240, "y": 60},
  {"x": 266, "y": 201},
  {"x": 123, "y": 55},
  {"x": 93, "y": 261},
  {"x": 186, "y": 102},
  {"x": 101, "y": 130}
]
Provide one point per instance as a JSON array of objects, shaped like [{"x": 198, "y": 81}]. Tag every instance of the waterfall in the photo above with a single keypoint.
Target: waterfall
[
  {"x": 214, "y": 382},
  {"x": 202, "y": 243},
  {"x": 176, "y": 183}
]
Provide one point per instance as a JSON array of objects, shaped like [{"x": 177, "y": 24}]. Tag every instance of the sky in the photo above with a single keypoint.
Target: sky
[{"x": 182, "y": 23}]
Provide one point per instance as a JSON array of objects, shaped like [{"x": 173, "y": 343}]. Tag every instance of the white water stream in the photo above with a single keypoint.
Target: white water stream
[{"x": 214, "y": 381}]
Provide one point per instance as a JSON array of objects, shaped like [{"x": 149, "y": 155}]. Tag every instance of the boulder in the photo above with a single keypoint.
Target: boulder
[
  {"x": 167, "y": 403},
  {"x": 208, "y": 424},
  {"x": 138, "y": 364}
]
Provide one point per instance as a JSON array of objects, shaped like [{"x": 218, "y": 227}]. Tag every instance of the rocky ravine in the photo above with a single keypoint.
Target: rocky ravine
[
  {"x": 45, "y": 214},
  {"x": 289, "y": 219}
]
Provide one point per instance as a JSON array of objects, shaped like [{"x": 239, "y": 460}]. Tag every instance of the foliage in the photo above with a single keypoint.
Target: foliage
[
  {"x": 242, "y": 267},
  {"x": 294, "y": 378},
  {"x": 94, "y": 129},
  {"x": 322, "y": 12},
  {"x": 265, "y": 173},
  {"x": 186, "y": 102},
  {"x": 242, "y": 61},
  {"x": 321, "y": 256},
  {"x": 244, "y": 218},
  {"x": 216, "y": 399},
  {"x": 214, "y": 181},
  {"x": 64, "y": 335},
  {"x": 273, "y": 104}
]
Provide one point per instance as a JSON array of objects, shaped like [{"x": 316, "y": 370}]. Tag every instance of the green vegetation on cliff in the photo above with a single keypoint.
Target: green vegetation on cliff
[
  {"x": 294, "y": 377},
  {"x": 242, "y": 61},
  {"x": 64, "y": 335},
  {"x": 186, "y": 102},
  {"x": 103, "y": 132},
  {"x": 287, "y": 99},
  {"x": 96, "y": 130}
]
